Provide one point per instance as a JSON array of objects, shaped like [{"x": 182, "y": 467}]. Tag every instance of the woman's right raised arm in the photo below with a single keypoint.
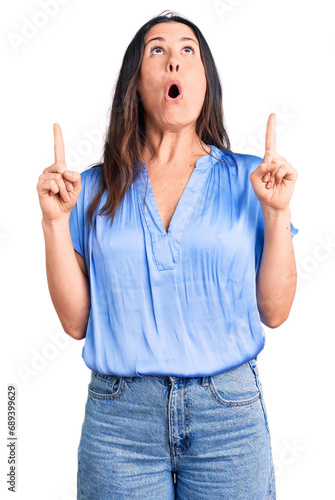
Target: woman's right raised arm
[{"x": 58, "y": 189}]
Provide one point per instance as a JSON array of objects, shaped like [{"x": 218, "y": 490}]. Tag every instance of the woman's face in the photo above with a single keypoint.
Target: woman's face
[{"x": 167, "y": 60}]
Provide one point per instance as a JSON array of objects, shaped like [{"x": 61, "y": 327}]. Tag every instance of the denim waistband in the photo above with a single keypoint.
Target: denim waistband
[
  {"x": 171, "y": 378},
  {"x": 204, "y": 379}
]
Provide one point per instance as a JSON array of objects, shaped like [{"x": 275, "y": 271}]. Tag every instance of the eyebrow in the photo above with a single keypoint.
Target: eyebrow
[{"x": 184, "y": 39}]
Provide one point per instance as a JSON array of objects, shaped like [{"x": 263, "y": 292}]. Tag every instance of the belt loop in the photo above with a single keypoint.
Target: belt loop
[{"x": 204, "y": 380}]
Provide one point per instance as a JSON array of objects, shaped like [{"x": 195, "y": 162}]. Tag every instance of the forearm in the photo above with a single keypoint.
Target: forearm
[
  {"x": 277, "y": 275},
  {"x": 68, "y": 285}
]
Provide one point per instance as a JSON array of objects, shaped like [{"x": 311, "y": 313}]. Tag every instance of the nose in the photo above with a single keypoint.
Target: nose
[
  {"x": 173, "y": 67},
  {"x": 173, "y": 64}
]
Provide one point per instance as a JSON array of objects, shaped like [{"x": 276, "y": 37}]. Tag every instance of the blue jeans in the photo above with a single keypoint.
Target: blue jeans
[{"x": 185, "y": 438}]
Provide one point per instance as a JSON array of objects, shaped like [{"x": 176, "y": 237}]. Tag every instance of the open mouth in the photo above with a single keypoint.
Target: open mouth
[{"x": 173, "y": 91}]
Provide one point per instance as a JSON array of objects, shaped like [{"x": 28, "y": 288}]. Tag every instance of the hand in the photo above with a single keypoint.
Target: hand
[
  {"x": 274, "y": 179},
  {"x": 58, "y": 188}
]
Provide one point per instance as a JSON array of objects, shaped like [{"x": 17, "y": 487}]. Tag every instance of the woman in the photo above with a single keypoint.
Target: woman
[{"x": 181, "y": 248}]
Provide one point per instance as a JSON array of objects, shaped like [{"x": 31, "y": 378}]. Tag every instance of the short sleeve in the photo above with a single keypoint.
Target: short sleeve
[
  {"x": 76, "y": 222},
  {"x": 293, "y": 230}
]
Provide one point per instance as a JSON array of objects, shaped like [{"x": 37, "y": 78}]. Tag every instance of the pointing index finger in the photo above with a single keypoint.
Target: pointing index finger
[
  {"x": 270, "y": 139},
  {"x": 58, "y": 144}
]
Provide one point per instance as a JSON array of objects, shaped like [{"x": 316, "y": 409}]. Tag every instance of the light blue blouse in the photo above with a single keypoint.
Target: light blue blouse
[{"x": 181, "y": 302}]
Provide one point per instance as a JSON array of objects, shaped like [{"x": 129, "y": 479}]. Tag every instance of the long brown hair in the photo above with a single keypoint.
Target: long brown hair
[{"x": 126, "y": 136}]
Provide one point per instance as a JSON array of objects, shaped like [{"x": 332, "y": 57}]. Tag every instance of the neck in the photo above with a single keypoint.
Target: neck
[{"x": 171, "y": 148}]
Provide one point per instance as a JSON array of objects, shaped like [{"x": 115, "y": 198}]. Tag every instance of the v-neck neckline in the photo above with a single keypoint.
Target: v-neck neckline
[
  {"x": 166, "y": 244},
  {"x": 181, "y": 202}
]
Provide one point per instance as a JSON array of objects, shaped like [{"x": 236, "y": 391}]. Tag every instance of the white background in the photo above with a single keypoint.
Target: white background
[{"x": 272, "y": 56}]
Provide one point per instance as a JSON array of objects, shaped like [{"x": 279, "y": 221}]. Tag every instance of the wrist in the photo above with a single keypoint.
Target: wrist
[
  {"x": 56, "y": 223},
  {"x": 276, "y": 213}
]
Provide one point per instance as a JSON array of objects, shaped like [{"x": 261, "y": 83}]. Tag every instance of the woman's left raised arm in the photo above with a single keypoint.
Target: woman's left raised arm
[{"x": 273, "y": 182}]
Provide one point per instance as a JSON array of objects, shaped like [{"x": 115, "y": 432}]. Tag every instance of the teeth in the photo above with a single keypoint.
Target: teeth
[{"x": 173, "y": 91}]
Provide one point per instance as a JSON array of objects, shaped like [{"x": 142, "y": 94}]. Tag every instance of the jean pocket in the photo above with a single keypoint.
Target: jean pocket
[
  {"x": 105, "y": 387},
  {"x": 235, "y": 387}
]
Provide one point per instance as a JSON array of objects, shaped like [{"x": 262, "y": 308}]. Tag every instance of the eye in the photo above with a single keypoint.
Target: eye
[
  {"x": 188, "y": 47},
  {"x": 155, "y": 48}
]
